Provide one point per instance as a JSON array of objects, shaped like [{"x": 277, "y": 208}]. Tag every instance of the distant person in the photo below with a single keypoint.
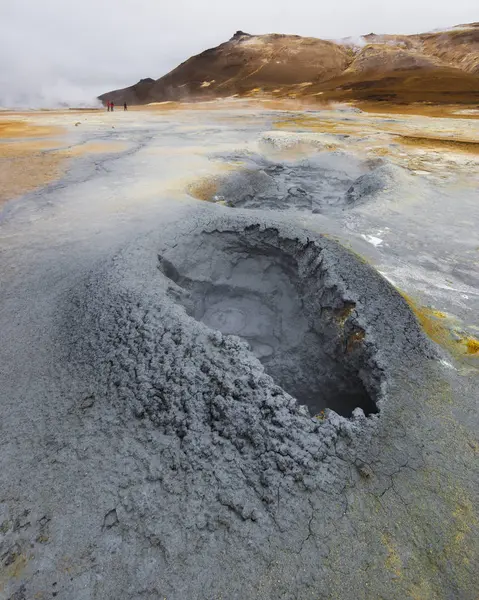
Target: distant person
[
  {"x": 125, "y": 107},
  {"x": 112, "y": 106},
  {"x": 108, "y": 105}
]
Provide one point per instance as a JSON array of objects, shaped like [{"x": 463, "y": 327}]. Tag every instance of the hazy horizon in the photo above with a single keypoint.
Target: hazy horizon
[{"x": 53, "y": 53}]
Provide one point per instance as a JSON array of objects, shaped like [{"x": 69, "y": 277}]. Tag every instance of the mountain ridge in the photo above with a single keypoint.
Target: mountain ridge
[{"x": 441, "y": 66}]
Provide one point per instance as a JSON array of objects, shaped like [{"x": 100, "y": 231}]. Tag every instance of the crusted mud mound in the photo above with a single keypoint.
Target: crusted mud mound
[
  {"x": 307, "y": 310},
  {"x": 327, "y": 182},
  {"x": 384, "y": 178}
]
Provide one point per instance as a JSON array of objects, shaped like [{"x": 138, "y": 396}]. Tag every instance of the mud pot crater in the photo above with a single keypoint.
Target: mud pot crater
[
  {"x": 285, "y": 299},
  {"x": 328, "y": 181}
]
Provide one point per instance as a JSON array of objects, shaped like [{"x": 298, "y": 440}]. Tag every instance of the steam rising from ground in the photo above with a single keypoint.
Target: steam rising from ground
[
  {"x": 355, "y": 41},
  {"x": 59, "y": 93}
]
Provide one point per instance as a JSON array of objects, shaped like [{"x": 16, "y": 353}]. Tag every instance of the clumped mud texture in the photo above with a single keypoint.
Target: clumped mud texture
[{"x": 323, "y": 183}]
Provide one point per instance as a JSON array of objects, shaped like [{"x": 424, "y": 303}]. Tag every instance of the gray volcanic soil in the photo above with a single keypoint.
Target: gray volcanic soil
[{"x": 200, "y": 402}]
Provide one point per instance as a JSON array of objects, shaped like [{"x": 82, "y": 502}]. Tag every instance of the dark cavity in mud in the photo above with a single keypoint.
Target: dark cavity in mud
[{"x": 275, "y": 294}]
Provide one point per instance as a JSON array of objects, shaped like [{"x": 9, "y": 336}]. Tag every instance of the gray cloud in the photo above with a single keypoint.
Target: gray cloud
[{"x": 54, "y": 51}]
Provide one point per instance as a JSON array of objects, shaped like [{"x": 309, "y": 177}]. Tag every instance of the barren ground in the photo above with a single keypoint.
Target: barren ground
[{"x": 239, "y": 352}]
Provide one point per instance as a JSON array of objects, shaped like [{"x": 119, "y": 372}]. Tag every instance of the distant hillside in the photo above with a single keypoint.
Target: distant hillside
[{"x": 439, "y": 67}]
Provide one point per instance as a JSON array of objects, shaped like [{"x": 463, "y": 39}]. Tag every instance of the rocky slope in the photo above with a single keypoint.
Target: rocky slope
[{"x": 437, "y": 67}]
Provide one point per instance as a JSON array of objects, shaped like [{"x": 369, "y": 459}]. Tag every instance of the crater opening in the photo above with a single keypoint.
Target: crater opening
[{"x": 275, "y": 294}]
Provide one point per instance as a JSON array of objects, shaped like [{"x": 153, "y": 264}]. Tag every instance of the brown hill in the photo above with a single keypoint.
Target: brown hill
[
  {"x": 135, "y": 94},
  {"x": 457, "y": 47},
  {"x": 381, "y": 58},
  {"x": 436, "y": 67},
  {"x": 243, "y": 63},
  {"x": 443, "y": 85}
]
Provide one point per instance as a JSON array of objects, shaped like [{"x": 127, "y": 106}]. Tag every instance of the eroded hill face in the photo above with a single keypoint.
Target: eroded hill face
[
  {"x": 457, "y": 47},
  {"x": 436, "y": 67}
]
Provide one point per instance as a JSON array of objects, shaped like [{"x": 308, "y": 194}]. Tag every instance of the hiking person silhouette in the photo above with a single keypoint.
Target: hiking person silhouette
[{"x": 125, "y": 107}]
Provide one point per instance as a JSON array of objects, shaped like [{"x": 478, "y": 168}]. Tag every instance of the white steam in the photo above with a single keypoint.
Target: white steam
[
  {"x": 353, "y": 41},
  {"x": 55, "y": 94}
]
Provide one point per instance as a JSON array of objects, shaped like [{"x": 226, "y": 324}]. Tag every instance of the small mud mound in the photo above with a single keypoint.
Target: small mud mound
[
  {"x": 379, "y": 180},
  {"x": 277, "y": 295},
  {"x": 327, "y": 182}
]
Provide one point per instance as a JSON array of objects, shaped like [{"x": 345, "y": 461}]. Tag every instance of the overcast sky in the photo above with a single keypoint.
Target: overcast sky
[{"x": 73, "y": 50}]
